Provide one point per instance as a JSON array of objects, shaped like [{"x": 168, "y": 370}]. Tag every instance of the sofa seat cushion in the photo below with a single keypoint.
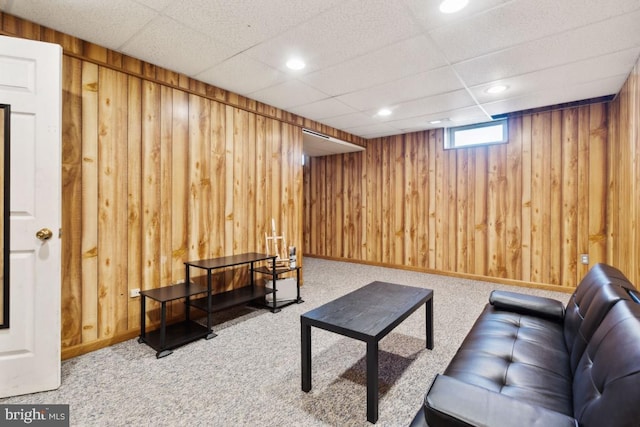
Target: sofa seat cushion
[{"x": 517, "y": 355}]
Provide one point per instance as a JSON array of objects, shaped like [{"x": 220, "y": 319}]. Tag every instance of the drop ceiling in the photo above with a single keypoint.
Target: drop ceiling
[{"x": 363, "y": 55}]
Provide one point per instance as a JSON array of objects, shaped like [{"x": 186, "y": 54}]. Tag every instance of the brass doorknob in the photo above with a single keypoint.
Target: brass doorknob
[{"x": 44, "y": 234}]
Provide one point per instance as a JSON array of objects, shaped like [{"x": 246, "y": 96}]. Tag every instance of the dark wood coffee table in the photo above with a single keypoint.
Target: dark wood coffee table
[{"x": 367, "y": 314}]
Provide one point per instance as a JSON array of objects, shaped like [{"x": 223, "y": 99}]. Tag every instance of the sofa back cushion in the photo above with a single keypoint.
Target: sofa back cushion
[
  {"x": 606, "y": 385},
  {"x": 599, "y": 290}
]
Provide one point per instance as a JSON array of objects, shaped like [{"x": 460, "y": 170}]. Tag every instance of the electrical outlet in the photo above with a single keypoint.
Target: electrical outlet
[
  {"x": 134, "y": 292},
  {"x": 584, "y": 258}
]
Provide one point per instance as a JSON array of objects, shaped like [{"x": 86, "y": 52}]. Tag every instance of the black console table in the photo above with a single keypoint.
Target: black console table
[{"x": 168, "y": 337}]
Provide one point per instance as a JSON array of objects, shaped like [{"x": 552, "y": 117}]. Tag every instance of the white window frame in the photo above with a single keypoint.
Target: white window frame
[{"x": 450, "y": 134}]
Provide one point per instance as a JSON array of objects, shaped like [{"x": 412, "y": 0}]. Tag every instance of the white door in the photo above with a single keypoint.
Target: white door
[{"x": 30, "y": 82}]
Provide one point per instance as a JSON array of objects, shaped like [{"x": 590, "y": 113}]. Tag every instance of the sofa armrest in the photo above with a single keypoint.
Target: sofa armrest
[
  {"x": 451, "y": 402},
  {"x": 528, "y": 304}
]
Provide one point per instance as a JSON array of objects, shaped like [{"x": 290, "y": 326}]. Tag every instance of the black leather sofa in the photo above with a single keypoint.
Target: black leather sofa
[{"x": 531, "y": 361}]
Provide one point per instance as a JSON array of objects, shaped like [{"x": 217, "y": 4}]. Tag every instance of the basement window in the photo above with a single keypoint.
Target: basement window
[{"x": 495, "y": 132}]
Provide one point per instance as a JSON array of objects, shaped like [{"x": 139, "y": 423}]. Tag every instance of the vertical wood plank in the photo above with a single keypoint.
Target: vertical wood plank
[
  {"x": 89, "y": 230},
  {"x": 71, "y": 202}
]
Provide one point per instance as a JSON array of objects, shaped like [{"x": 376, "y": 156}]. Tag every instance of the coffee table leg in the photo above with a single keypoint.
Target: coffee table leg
[
  {"x": 429, "y": 322},
  {"x": 372, "y": 381},
  {"x": 305, "y": 344}
]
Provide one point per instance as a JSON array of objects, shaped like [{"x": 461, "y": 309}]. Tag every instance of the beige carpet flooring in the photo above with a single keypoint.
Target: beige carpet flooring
[{"x": 249, "y": 375}]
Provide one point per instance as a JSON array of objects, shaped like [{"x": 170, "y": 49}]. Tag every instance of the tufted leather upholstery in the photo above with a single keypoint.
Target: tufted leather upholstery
[{"x": 534, "y": 359}]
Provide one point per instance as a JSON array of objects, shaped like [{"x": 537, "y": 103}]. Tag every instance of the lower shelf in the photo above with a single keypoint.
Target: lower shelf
[
  {"x": 177, "y": 334},
  {"x": 231, "y": 298}
]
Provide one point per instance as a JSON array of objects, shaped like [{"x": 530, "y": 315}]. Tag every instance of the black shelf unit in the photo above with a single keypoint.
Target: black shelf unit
[
  {"x": 276, "y": 305},
  {"x": 168, "y": 337}
]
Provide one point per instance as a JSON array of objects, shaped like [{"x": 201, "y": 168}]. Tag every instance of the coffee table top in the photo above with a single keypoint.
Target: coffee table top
[{"x": 370, "y": 312}]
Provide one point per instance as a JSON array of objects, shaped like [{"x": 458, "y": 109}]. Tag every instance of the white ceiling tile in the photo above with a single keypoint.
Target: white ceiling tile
[
  {"x": 430, "y": 105},
  {"x": 350, "y": 120},
  {"x": 590, "y": 41},
  {"x": 457, "y": 117},
  {"x": 165, "y": 42},
  {"x": 369, "y": 52},
  {"x": 242, "y": 75},
  {"x": 373, "y": 131},
  {"x": 344, "y": 32},
  {"x": 158, "y": 5},
  {"x": 114, "y": 24},
  {"x": 289, "y": 94},
  {"x": 244, "y": 23},
  {"x": 521, "y": 21},
  {"x": 413, "y": 87},
  {"x": 417, "y": 54},
  {"x": 323, "y": 109},
  {"x": 548, "y": 97},
  {"x": 429, "y": 15},
  {"x": 562, "y": 76}
]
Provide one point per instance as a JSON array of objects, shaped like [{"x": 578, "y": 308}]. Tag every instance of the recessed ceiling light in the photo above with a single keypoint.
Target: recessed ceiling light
[
  {"x": 497, "y": 89},
  {"x": 384, "y": 112},
  {"x": 435, "y": 122},
  {"x": 296, "y": 64},
  {"x": 453, "y": 6}
]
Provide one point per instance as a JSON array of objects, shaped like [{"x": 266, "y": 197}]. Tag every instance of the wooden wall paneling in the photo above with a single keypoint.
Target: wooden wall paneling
[
  {"x": 360, "y": 245},
  {"x": 540, "y": 133},
  {"x": 166, "y": 193},
  {"x": 526, "y": 198},
  {"x": 285, "y": 210},
  {"x": 634, "y": 128},
  {"x": 569, "y": 196},
  {"x": 398, "y": 204},
  {"x": 440, "y": 208},
  {"x": 217, "y": 178},
  {"x": 513, "y": 183},
  {"x": 410, "y": 220},
  {"x": 295, "y": 134},
  {"x": 480, "y": 211},
  {"x": 461, "y": 211},
  {"x": 349, "y": 206},
  {"x": 20, "y": 27},
  {"x": 322, "y": 206},
  {"x": 89, "y": 229},
  {"x": 432, "y": 146},
  {"x": 250, "y": 194},
  {"x": 72, "y": 202},
  {"x": 369, "y": 160},
  {"x": 377, "y": 200},
  {"x": 306, "y": 213},
  {"x": 386, "y": 204},
  {"x": 422, "y": 200},
  {"x": 612, "y": 170},
  {"x": 134, "y": 197},
  {"x": 241, "y": 172},
  {"x": 451, "y": 179},
  {"x": 623, "y": 208},
  {"x": 496, "y": 210},
  {"x": 274, "y": 145},
  {"x": 112, "y": 194},
  {"x": 335, "y": 204},
  {"x": 292, "y": 164},
  {"x": 262, "y": 214},
  {"x": 150, "y": 172},
  {"x": 165, "y": 220},
  {"x": 583, "y": 191},
  {"x": 179, "y": 207},
  {"x": 196, "y": 114},
  {"x": 471, "y": 211},
  {"x": 553, "y": 218},
  {"x": 597, "y": 184}
]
